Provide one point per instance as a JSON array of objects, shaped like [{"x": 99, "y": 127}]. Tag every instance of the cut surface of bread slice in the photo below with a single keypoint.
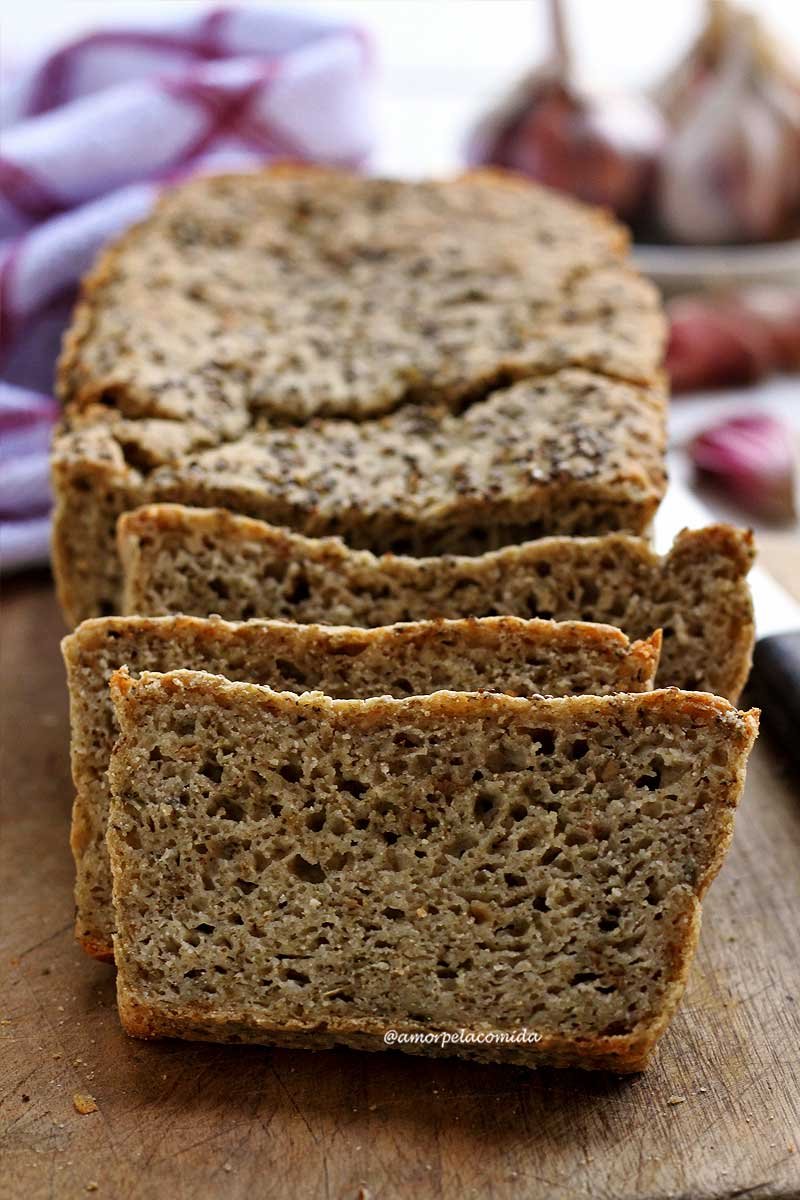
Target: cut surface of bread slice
[
  {"x": 309, "y": 871},
  {"x": 502, "y": 653},
  {"x": 177, "y": 559},
  {"x": 440, "y": 365}
]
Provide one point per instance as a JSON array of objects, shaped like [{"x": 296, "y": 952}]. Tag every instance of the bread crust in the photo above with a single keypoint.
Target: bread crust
[
  {"x": 700, "y": 707},
  {"x": 75, "y": 385},
  {"x": 625, "y": 1054},
  {"x": 639, "y": 657}
]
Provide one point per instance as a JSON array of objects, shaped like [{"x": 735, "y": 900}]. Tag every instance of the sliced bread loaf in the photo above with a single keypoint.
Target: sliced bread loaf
[
  {"x": 186, "y": 560},
  {"x": 295, "y": 294},
  {"x": 308, "y": 871},
  {"x": 502, "y": 653}
]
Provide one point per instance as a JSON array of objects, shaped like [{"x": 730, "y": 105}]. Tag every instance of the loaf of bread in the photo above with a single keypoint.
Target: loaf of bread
[
  {"x": 501, "y": 653},
  {"x": 186, "y": 560},
  {"x": 307, "y": 871},
  {"x": 480, "y": 360}
]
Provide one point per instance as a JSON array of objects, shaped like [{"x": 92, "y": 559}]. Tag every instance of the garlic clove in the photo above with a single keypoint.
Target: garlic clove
[
  {"x": 778, "y": 310},
  {"x": 750, "y": 458},
  {"x": 715, "y": 342},
  {"x": 735, "y": 338}
]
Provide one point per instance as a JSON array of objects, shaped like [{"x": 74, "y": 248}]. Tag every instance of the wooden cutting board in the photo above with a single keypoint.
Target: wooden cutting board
[{"x": 717, "y": 1115}]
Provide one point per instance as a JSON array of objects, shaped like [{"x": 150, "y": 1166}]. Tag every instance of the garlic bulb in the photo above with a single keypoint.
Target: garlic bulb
[
  {"x": 601, "y": 149},
  {"x": 732, "y": 338},
  {"x": 714, "y": 342},
  {"x": 777, "y": 309},
  {"x": 729, "y": 170}
]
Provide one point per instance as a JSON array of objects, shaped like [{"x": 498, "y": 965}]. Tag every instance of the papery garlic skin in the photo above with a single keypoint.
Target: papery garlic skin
[{"x": 720, "y": 179}]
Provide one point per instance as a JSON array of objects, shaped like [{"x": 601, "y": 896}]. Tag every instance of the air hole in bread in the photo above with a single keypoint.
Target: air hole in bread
[{"x": 307, "y": 871}]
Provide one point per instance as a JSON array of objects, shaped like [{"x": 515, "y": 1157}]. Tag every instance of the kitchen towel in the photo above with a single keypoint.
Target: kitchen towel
[{"x": 89, "y": 136}]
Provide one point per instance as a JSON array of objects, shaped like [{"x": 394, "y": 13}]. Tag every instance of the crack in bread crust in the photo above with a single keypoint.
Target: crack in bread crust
[{"x": 443, "y": 286}]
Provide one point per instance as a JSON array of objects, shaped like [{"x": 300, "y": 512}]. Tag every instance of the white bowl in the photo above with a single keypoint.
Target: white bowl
[{"x": 689, "y": 268}]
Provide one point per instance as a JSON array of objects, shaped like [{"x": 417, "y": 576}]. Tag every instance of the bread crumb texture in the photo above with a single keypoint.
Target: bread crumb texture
[
  {"x": 309, "y": 871},
  {"x": 179, "y": 559},
  {"x": 497, "y": 653}
]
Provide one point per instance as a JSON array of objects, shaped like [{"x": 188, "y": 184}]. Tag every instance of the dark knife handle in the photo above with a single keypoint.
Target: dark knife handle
[{"x": 775, "y": 685}]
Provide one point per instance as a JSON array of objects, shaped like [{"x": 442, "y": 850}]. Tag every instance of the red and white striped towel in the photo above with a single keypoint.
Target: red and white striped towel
[{"x": 89, "y": 136}]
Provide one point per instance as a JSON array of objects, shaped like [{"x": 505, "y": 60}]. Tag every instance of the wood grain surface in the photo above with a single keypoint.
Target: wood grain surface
[{"x": 717, "y": 1115}]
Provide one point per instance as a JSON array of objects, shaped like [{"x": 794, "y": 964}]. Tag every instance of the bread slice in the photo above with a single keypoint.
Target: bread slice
[
  {"x": 186, "y": 560},
  {"x": 501, "y": 653},
  {"x": 308, "y": 871},
  {"x": 505, "y": 313}
]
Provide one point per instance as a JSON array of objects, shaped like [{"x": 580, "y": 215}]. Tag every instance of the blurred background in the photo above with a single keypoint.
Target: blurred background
[
  {"x": 683, "y": 116},
  {"x": 441, "y": 61}
]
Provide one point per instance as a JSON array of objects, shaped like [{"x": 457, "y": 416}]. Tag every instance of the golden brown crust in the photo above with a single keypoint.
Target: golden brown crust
[
  {"x": 98, "y": 950},
  {"x": 700, "y": 707},
  {"x": 426, "y": 482},
  {"x": 344, "y": 639},
  {"x": 74, "y": 385},
  {"x": 738, "y": 547},
  {"x": 733, "y": 541},
  {"x": 88, "y": 470},
  {"x": 625, "y": 1054}
]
